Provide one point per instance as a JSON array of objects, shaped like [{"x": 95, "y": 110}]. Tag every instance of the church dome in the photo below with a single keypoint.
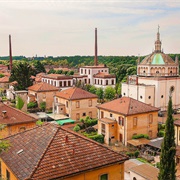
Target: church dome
[{"x": 158, "y": 63}]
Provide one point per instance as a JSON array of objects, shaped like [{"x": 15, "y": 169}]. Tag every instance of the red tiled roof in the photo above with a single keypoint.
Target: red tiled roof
[
  {"x": 13, "y": 116},
  {"x": 42, "y": 86},
  {"x": 177, "y": 122},
  {"x": 104, "y": 75},
  {"x": 44, "y": 153},
  {"x": 4, "y": 79},
  {"x": 57, "y": 76},
  {"x": 127, "y": 106},
  {"x": 75, "y": 93},
  {"x": 146, "y": 171}
]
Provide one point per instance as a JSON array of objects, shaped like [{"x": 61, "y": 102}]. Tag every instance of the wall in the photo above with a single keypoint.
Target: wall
[
  {"x": 3, "y": 173},
  {"x": 115, "y": 172},
  {"x": 177, "y": 135},
  {"x": 13, "y": 129}
]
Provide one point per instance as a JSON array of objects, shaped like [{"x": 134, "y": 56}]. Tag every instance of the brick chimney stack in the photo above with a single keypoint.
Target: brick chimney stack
[
  {"x": 10, "y": 53},
  {"x": 95, "y": 58}
]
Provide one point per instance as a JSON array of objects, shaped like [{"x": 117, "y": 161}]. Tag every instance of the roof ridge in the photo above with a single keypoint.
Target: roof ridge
[
  {"x": 129, "y": 105},
  {"x": 75, "y": 88},
  {"x": 43, "y": 154}
]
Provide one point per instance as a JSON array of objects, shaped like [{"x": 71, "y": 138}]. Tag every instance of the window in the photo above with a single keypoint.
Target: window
[
  {"x": 103, "y": 129},
  {"x": 60, "y": 84},
  {"x": 89, "y": 81},
  {"x": 77, "y": 116},
  {"x": 150, "y": 119},
  {"x": 124, "y": 94},
  {"x": 141, "y": 97},
  {"x": 89, "y": 71},
  {"x": 135, "y": 121},
  {"x": 106, "y": 82},
  {"x": 85, "y": 71},
  {"x": 67, "y": 104},
  {"x": 85, "y": 81},
  {"x": 162, "y": 96},
  {"x": 7, "y": 175},
  {"x": 134, "y": 178},
  {"x": 77, "y": 104},
  {"x": 84, "y": 114},
  {"x": 112, "y": 81},
  {"x": 149, "y": 97},
  {"x": 90, "y": 114},
  {"x": 69, "y": 83},
  {"x": 95, "y": 81},
  {"x": 101, "y": 81},
  {"x": 111, "y": 115},
  {"x": 112, "y": 125},
  {"x": 64, "y": 83},
  {"x": 104, "y": 177},
  {"x": 150, "y": 133},
  {"x": 121, "y": 121},
  {"x": 102, "y": 114},
  {"x": 81, "y": 71},
  {"x": 90, "y": 103}
]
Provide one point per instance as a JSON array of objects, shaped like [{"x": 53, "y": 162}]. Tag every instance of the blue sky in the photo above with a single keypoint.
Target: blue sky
[{"x": 64, "y": 27}]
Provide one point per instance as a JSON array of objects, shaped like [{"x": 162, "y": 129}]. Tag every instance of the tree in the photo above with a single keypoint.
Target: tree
[
  {"x": 22, "y": 72},
  {"x": 100, "y": 93},
  {"x": 109, "y": 93},
  {"x": 92, "y": 89},
  {"x": 39, "y": 67},
  {"x": 168, "y": 148}
]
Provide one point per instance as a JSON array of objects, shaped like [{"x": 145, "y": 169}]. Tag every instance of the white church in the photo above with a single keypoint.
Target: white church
[{"x": 157, "y": 76}]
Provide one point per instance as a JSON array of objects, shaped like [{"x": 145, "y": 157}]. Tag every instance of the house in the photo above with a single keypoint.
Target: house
[
  {"x": 120, "y": 119},
  {"x": 42, "y": 92},
  {"x": 53, "y": 152},
  {"x": 76, "y": 103},
  {"x": 98, "y": 74},
  {"x": 144, "y": 172},
  {"x": 4, "y": 82},
  {"x": 157, "y": 75},
  {"x": 15, "y": 120},
  {"x": 58, "y": 80}
]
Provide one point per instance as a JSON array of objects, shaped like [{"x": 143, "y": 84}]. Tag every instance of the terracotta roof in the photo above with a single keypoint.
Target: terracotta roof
[
  {"x": 177, "y": 122},
  {"x": 4, "y": 79},
  {"x": 53, "y": 152},
  {"x": 75, "y": 93},
  {"x": 57, "y": 76},
  {"x": 147, "y": 171},
  {"x": 108, "y": 121},
  {"x": 13, "y": 116},
  {"x": 127, "y": 106},
  {"x": 128, "y": 165},
  {"x": 104, "y": 75},
  {"x": 42, "y": 86}
]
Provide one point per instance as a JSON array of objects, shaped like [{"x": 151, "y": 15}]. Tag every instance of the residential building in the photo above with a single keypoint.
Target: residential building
[
  {"x": 42, "y": 92},
  {"x": 98, "y": 74},
  {"x": 120, "y": 119},
  {"x": 15, "y": 120},
  {"x": 4, "y": 82},
  {"x": 157, "y": 75},
  {"x": 53, "y": 152},
  {"x": 58, "y": 80},
  {"x": 76, "y": 103}
]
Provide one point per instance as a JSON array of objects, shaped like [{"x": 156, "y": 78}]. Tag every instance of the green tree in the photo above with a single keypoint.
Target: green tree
[
  {"x": 19, "y": 103},
  {"x": 51, "y": 71},
  {"x": 43, "y": 106},
  {"x": 100, "y": 93},
  {"x": 39, "y": 67},
  {"x": 92, "y": 89},
  {"x": 168, "y": 148},
  {"x": 22, "y": 72},
  {"x": 109, "y": 93}
]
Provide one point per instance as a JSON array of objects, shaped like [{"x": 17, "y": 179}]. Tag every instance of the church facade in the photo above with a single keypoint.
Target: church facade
[{"x": 157, "y": 77}]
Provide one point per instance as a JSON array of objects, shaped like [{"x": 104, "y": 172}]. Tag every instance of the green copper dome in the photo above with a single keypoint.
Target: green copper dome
[{"x": 158, "y": 59}]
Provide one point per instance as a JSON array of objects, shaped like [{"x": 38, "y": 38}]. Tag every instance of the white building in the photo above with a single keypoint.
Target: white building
[
  {"x": 98, "y": 75},
  {"x": 157, "y": 76}
]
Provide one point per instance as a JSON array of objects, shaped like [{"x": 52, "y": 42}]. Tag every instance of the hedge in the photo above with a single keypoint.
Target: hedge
[{"x": 140, "y": 136}]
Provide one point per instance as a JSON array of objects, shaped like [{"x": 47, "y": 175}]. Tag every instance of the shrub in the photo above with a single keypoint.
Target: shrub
[
  {"x": 140, "y": 136},
  {"x": 20, "y": 103},
  {"x": 39, "y": 123},
  {"x": 76, "y": 128},
  {"x": 32, "y": 105},
  {"x": 130, "y": 154},
  {"x": 161, "y": 133},
  {"x": 136, "y": 153},
  {"x": 158, "y": 165},
  {"x": 88, "y": 122},
  {"x": 99, "y": 138},
  {"x": 43, "y": 106},
  {"x": 161, "y": 126}
]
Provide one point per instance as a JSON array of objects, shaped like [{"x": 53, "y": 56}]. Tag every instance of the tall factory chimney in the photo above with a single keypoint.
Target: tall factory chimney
[
  {"x": 95, "y": 57},
  {"x": 10, "y": 53}
]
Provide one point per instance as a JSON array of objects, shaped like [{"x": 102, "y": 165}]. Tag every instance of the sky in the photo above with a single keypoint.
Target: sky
[{"x": 66, "y": 27}]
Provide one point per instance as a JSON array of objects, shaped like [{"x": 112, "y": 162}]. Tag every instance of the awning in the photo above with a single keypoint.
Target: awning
[
  {"x": 65, "y": 121},
  {"x": 138, "y": 142}
]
